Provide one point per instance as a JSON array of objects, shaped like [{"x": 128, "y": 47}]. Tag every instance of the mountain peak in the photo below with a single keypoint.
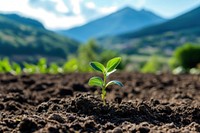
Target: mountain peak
[
  {"x": 124, "y": 20},
  {"x": 127, "y": 9},
  {"x": 183, "y": 23}
]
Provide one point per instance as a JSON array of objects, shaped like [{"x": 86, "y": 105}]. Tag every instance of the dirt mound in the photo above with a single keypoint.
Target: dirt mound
[{"x": 65, "y": 103}]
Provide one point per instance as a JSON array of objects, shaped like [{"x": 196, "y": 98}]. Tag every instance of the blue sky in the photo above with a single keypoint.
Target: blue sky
[{"x": 59, "y": 14}]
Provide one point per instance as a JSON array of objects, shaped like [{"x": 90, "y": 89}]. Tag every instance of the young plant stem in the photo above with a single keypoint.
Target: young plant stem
[{"x": 103, "y": 95}]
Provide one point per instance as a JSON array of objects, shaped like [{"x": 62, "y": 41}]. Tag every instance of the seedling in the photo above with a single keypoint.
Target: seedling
[{"x": 106, "y": 71}]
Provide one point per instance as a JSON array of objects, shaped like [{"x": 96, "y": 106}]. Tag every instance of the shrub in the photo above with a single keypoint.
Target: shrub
[
  {"x": 187, "y": 56},
  {"x": 152, "y": 65}
]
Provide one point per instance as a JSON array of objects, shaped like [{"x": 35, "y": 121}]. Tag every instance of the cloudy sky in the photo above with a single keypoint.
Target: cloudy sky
[{"x": 63, "y": 14}]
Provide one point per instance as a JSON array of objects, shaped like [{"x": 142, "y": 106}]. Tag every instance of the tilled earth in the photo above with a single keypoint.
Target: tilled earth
[{"x": 65, "y": 103}]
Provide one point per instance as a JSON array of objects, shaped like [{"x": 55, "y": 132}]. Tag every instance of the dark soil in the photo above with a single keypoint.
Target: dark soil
[{"x": 65, "y": 103}]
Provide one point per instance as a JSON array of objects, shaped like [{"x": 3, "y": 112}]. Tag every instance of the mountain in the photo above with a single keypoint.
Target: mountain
[
  {"x": 159, "y": 39},
  {"x": 124, "y": 20},
  {"x": 23, "y": 20},
  {"x": 187, "y": 21},
  {"x": 22, "y": 38}
]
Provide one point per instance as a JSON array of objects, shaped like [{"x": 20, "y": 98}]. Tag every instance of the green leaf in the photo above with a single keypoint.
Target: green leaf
[
  {"x": 97, "y": 66},
  {"x": 111, "y": 72},
  {"x": 113, "y": 63},
  {"x": 95, "y": 81},
  {"x": 114, "y": 82}
]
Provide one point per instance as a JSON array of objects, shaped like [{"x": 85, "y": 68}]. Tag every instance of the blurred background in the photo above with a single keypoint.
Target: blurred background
[{"x": 56, "y": 36}]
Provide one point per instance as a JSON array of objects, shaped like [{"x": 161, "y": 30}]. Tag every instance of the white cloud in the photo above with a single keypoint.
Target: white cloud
[
  {"x": 90, "y": 5},
  {"x": 49, "y": 19},
  {"x": 58, "y": 14},
  {"x": 53, "y": 21},
  {"x": 140, "y": 3},
  {"x": 60, "y": 6},
  {"x": 76, "y": 6},
  {"x": 9, "y": 5},
  {"x": 107, "y": 10}
]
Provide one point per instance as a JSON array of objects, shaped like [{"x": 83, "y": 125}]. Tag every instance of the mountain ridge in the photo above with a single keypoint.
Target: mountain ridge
[
  {"x": 23, "y": 20},
  {"x": 18, "y": 38},
  {"x": 162, "y": 38},
  {"x": 123, "y": 20},
  {"x": 182, "y": 22}
]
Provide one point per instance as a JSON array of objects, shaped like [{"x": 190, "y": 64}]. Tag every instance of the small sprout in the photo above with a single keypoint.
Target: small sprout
[{"x": 106, "y": 71}]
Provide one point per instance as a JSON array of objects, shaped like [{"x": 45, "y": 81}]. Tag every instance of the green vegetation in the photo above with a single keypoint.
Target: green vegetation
[
  {"x": 22, "y": 38},
  {"x": 187, "y": 56},
  {"x": 186, "y": 59},
  {"x": 137, "y": 63},
  {"x": 106, "y": 71},
  {"x": 91, "y": 51},
  {"x": 7, "y": 67},
  {"x": 152, "y": 65},
  {"x": 162, "y": 44},
  {"x": 86, "y": 53},
  {"x": 41, "y": 67}
]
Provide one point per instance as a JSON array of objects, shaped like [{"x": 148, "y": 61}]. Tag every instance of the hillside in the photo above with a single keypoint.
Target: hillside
[
  {"x": 22, "y": 38},
  {"x": 124, "y": 20},
  {"x": 23, "y": 20},
  {"x": 189, "y": 20},
  {"x": 158, "y": 39}
]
